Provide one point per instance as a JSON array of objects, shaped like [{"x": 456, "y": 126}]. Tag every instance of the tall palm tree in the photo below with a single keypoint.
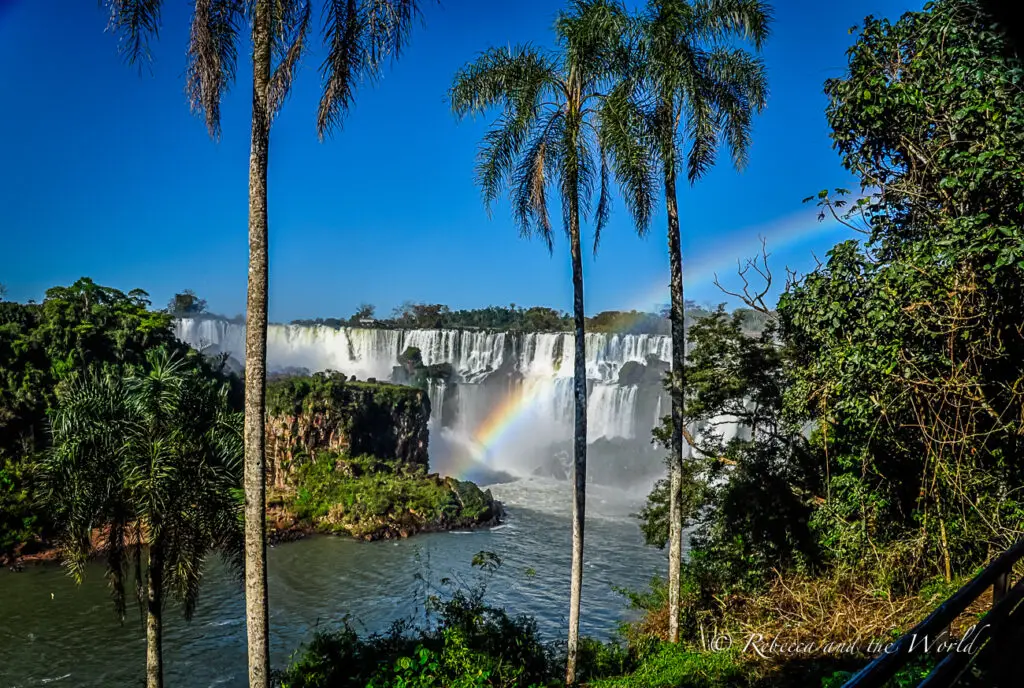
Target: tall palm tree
[
  {"x": 704, "y": 91},
  {"x": 154, "y": 458},
  {"x": 561, "y": 123},
  {"x": 360, "y": 35}
]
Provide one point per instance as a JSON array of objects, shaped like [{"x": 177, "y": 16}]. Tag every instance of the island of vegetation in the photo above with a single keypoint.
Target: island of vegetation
[{"x": 351, "y": 457}]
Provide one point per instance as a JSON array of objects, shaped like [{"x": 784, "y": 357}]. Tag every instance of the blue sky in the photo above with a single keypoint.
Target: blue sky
[{"x": 106, "y": 173}]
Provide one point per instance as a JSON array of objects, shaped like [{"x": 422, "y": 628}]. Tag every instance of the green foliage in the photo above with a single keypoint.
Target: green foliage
[
  {"x": 469, "y": 644},
  {"x": 883, "y": 400},
  {"x": 411, "y": 358},
  {"x": 43, "y": 347},
  {"x": 331, "y": 390},
  {"x": 420, "y": 315},
  {"x": 628, "y": 322},
  {"x": 705, "y": 86},
  {"x": 416, "y": 374},
  {"x": 186, "y": 304},
  {"x": 369, "y": 498},
  {"x": 509, "y": 318},
  {"x": 569, "y": 121},
  {"x": 364, "y": 312},
  {"x": 379, "y": 419},
  {"x": 597, "y": 659},
  {"x": 18, "y": 517},
  {"x": 513, "y": 318},
  {"x": 156, "y": 458},
  {"x": 747, "y": 498},
  {"x": 673, "y": 666},
  {"x": 908, "y": 346}
]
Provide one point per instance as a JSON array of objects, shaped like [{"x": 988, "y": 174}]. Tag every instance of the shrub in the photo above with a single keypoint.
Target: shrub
[{"x": 467, "y": 644}]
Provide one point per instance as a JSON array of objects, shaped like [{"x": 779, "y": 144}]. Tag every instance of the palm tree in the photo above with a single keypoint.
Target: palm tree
[
  {"x": 153, "y": 458},
  {"x": 561, "y": 123},
  {"x": 703, "y": 91},
  {"x": 360, "y": 36}
]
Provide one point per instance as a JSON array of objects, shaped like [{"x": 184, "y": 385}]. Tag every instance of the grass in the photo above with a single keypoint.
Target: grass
[
  {"x": 672, "y": 666},
  {"x": 371, "y": 499}
]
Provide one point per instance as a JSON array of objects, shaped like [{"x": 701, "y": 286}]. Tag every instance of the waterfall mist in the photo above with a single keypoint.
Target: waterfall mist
[{"x": 507, "y": 407}]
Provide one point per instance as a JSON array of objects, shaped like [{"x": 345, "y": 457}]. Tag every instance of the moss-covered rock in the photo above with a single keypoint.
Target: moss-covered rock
[
  {"x": 371, "y": 499},
  {"x": 351, "y": 457},
  {"x": 328, "y": 412}
]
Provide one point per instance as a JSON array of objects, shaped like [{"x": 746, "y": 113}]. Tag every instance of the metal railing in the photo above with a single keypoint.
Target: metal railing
[{"x": 1005, "y": 600}]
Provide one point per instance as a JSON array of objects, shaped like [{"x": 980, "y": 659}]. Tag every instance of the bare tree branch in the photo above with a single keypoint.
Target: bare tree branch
[{"x": 753, "y": 298}]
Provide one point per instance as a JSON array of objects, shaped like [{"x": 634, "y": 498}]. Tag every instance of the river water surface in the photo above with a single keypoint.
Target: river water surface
[{"x": 54, "y": 633}]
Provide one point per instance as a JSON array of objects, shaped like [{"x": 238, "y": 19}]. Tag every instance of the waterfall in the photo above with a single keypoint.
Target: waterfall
[
  {"x": 513, "y": 392},
  {"x": 611, "y": 411}
]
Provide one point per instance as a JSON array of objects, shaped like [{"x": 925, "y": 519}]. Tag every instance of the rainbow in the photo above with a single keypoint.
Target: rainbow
[{"x": 508, "y": 417}]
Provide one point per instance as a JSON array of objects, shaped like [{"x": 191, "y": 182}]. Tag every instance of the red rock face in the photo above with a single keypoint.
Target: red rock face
[
  {"x": 356, "y": 425},
  {"x": 305, "y": 434}
]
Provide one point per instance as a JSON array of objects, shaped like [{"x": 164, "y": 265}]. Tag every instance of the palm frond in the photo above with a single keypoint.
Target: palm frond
[
  {"x": 345, "y": 61},
  {"x": 517, "y": 80},
  {"x": 701, "y": 130},
  {"x": 293, "y": 36},
  {"x": 576, "y": 172},
  {"x": 707, "y": 92},
  {"x": 389, "y": 23},
  {"x": 738, "y": 88},
  {"x": 593, "y": 35},
  {"x": 212, "y": 57},
  {"x": 360, "y": 35},
  {"x": 154, "y": 456},
  {"x": 604, "y": 200},
  {"x": 528, "y": 186},
  {"x": 548, "y": 131},
  {"x": 627, "y": 139},
  {"x": 722, "y": 20},
  {"x": 496, "y": 158},
  {"x": 511, "y": 78},
  {"x": 135, "y": 23}
]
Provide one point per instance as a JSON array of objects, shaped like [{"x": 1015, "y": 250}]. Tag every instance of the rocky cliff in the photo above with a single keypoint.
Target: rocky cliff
[
  {"x": 351, "y": 457},
  {"x": 307, "y": 415}
]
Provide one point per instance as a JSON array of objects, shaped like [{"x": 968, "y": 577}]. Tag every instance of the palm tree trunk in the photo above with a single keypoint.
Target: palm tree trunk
[
  {"x": 579, "y": 440},
  {"x": 678, "y": 314},
  {"x": 154, "y": 619},
  {"x": 256, "y": 360}
]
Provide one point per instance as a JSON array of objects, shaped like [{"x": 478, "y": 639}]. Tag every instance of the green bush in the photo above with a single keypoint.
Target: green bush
[
  {"x": 674, "y": 666},
  {"x": 467, "y": 644},
  {"x": 18, "y": 519},
  {"x": 369, "y": 498}
]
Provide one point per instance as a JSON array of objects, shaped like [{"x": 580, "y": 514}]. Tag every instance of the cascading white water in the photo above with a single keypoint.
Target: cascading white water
[
  {"x": 499, "y": 378},
  {"x": 611, "y": 411},
  {"x": 354, "y": 351}
]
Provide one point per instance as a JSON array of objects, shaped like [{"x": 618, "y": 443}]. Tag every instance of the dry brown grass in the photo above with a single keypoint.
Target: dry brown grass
[{"x": 813, "y": 612}]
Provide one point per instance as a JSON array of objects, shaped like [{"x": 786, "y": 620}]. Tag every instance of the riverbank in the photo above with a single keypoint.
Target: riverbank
[{"x": 458, "y": 505}]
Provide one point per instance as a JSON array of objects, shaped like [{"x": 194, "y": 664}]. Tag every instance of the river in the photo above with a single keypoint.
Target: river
[{"x": 54, "y": 633}]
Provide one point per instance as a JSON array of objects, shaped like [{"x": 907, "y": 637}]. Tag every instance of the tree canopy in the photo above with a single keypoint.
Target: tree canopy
[
  {"x": 84, "y": 328},
  {"x": 884, "y": 401}
]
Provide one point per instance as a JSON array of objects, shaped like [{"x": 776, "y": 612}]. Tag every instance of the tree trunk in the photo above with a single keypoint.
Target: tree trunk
[
  {"x": 256, "y": 360},
  {"x": 154, "y": 619},
  {"x": 678, "y": 315},
  {"x": 579, "y": 440}
]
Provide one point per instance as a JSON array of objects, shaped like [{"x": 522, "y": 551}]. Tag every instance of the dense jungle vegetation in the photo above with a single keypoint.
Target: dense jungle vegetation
[{"x": 77, "y": 331}]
